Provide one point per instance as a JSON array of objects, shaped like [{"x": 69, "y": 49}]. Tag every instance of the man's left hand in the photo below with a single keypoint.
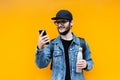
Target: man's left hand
[{"x": 82, "y": 64}]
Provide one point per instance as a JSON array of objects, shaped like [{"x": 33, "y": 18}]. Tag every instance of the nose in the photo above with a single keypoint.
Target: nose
[{"x": 59, "y": 25}]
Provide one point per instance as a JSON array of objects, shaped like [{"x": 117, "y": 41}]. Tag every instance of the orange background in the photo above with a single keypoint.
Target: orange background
[{"x": 98, "y": 21}]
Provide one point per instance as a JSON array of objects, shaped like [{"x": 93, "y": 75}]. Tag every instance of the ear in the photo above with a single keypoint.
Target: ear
[{"x": 71, "y": 23}]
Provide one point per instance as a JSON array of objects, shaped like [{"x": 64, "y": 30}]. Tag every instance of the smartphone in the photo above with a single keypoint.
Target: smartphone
[{"x": 44, "y": 33}]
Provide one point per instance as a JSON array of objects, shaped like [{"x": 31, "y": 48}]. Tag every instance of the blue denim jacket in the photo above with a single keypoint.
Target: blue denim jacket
[{"x": 43, "y": 58}]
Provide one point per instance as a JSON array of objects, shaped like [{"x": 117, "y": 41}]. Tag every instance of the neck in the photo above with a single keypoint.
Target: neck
[{"x": 68, "y": 36}]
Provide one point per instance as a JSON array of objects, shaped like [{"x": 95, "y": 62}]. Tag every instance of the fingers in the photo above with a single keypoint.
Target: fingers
[
  {"x": 81, "y": 64},
  {"x": 42, "y": 33},
  {"x": 44, "y": 39}
]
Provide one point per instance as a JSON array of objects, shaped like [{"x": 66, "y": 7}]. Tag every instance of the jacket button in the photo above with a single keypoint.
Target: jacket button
[{"x": 72, "y": 69}]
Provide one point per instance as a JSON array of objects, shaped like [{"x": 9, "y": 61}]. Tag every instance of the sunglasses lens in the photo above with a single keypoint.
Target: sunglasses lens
[{"x": 61, "y": 22}]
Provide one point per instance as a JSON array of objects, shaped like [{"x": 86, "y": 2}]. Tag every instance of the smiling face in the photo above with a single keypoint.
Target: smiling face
[{"x": 63, "y": 26}]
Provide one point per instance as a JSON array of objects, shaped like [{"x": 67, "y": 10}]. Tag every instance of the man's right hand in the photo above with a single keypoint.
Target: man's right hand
[{"x": 42, "y": 40}]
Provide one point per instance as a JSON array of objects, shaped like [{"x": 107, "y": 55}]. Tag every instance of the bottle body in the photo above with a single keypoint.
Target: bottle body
[{"x": 79, "y": 57}]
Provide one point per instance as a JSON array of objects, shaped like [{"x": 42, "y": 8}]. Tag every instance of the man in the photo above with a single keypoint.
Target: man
[{"x": 63, "y": 50}]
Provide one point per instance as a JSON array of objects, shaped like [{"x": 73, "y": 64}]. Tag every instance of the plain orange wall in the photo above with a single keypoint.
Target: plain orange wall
[{"x": 98, "y": 21}]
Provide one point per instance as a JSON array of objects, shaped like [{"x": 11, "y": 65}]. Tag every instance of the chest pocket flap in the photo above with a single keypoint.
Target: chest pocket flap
[{"x": 57, "y": 53}]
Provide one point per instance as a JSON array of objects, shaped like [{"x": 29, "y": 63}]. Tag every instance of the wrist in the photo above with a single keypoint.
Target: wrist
[{"x": 39, "y": 48}]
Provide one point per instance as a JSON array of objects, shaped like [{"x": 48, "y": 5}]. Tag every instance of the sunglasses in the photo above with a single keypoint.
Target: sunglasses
[{"x": 62, "y": 22}]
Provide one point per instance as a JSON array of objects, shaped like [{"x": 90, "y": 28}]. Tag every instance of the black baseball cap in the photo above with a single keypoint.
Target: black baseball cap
[{"x": 63, "y": 14}]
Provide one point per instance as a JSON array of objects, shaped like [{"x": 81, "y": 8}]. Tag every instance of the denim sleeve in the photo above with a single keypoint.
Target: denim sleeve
[
  {"x": 87, "y": 57},
  {"x": 42, "y": 57}
]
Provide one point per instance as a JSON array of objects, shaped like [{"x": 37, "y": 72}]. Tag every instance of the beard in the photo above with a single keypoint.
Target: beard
[{"x": 65, "y": 32}]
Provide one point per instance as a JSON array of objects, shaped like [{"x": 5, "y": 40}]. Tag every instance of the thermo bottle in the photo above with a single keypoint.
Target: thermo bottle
[{"x": 79, "y": 57}]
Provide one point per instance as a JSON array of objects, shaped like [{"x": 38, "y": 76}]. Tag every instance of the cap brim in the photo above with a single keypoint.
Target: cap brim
[{"x": 55, "y": 18}]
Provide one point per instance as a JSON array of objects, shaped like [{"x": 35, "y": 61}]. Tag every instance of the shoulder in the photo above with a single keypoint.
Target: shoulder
[
  {"x": 78, "y": 38},
  {"x": 81, "y": 38},
  {"x": 53, "y": 39}
]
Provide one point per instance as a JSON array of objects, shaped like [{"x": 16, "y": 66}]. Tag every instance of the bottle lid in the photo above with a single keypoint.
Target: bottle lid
[{"x": 80, "y": 48}]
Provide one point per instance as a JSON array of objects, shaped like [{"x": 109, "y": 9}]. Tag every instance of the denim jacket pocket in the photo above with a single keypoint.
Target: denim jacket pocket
[
  {"x": 57, "y": 53},
  {"x": 57, "y": 58}
]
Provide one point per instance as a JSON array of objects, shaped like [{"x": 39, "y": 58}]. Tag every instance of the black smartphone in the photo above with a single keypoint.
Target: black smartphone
[{"x": 44, "y": 33}]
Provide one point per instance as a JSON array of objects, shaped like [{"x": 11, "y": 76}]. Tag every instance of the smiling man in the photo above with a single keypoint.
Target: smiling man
[{"x": 63, "y": 50}]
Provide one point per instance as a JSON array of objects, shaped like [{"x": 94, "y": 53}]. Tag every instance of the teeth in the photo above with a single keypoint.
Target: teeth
[{"x": 61, "y": 28}]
